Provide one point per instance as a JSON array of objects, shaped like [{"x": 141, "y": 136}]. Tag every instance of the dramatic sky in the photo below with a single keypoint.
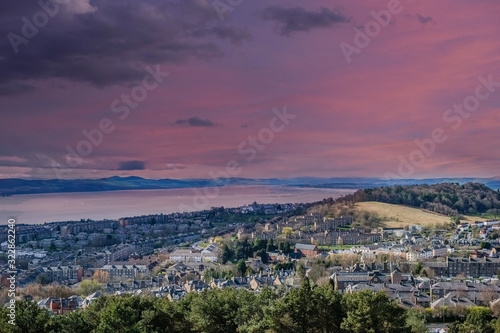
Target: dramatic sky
[{"x": 355, "y": 106}]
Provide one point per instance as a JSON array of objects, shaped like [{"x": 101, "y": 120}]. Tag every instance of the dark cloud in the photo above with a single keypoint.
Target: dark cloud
[
  {"x": 107, "y": 42},
  {"x": 295, "y": 19},
  {"x": 425, "y": 20},
  {"x": 422, "y": 19},
  {"x": 195, "y": 122},
  {"x": 235, "y": 34},
  {"x": 132, "y": 165},
  {"x": 15, "y": 88}
]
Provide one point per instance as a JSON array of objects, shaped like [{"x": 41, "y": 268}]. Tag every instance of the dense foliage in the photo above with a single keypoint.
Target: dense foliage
[
  {"x": 242, "y": 249},
  {"x": 445, "y": 198},
  {"x": 301, "y": 310},
  {"x": 479, "y": 320}
]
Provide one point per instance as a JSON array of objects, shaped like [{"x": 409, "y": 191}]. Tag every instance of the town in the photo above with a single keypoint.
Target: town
[{"x": 67, "y": 265}]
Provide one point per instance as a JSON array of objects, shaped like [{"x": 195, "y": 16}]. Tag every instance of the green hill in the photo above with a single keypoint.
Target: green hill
[
  {"x": 398, "y": 216},
  {"x": 445, "y": 198}
]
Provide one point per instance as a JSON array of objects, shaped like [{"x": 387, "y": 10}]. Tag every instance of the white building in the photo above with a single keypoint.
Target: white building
[
  {"x": 210, "y": 253},
  {"x": 419, "y": 255}
]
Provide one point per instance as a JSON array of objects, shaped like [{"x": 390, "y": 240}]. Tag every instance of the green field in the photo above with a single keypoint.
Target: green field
[{"x": 335, "y": 247}]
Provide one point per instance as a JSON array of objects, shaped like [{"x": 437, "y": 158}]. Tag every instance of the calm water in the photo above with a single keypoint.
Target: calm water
[{"x": 40, "y": 208}]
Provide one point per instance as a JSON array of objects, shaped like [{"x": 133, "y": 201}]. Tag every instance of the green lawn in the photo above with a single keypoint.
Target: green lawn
[{"x": 334, "y": 247}]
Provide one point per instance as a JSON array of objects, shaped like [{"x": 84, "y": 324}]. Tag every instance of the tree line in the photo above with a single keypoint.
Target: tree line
[
  {"x": 308, "y": 309},
  {"x": 446, "y": 198},
  {"x": 243, "y": 249},
  {"x": 302, "y": 310}
]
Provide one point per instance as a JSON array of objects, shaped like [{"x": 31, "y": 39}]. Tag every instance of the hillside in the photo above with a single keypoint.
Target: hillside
[
  {"x": 400, "y": 205},
  {"x": 446, "y": 198},
  {"x": 14, "y": 186},
  {"x": 398, "y": 216}
]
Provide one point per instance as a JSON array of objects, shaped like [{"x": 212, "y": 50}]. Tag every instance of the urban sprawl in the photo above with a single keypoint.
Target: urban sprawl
[{"x": 253, "y": 247}]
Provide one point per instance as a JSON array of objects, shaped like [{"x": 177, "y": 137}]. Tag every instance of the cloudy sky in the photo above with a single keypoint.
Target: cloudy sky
[{"x": 283, "y": 88}]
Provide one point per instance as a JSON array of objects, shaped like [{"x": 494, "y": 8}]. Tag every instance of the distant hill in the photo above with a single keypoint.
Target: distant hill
[
  {"x": 33, "y": 186},
  {"x": 445, "y": 198}
]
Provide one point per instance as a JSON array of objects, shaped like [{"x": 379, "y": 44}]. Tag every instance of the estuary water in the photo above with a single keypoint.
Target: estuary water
[{"x": 40, "y": 208}]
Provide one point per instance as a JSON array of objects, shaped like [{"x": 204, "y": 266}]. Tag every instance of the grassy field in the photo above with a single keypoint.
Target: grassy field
[
  {"x": 396, "y": 216},
  {"x": 334, "y": 247}
]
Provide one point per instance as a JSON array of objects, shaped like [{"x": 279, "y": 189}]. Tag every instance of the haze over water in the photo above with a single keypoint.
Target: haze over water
[{"x": 40, "y": 208}]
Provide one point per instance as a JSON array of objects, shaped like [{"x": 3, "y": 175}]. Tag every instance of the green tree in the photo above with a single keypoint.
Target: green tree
[
  {"x": 277, "y": 319},
  {"x": 478, "y": 320},
  {"x": 415, "y": 321},
  {"x": 287, "y": 231},
  {"x": 328, "y": 310},
  {"x": 417, "y": 269},
  {"x": 226, "y": 254},
  {"x": 270, "y": 245},
  {"x": 455, "y": 327},
  {"x": 284, "y": 266},
  {"x": 369, "y": 312},
  {"x": 79, "y": 321},
  {"x": 286, "y": 247},
  {"x": 87, "y": 287},
  {"x": 52, "y": 247},
  {"x": 305, "y": 310},
  {"x": 215, "y": 311},
  {"x": 250, "y": 311},
  {"x": 259, "y": 244},
  {"x": 42, "y": 279},
  {"x": 263, "y": 255},
  {"x": 300, "y": 308},
  {"x": 29, "y": 318},
  {"x": 301, "y": 271},
  {"x": 485, "y": 245},
  {"x": 496, "y": 325},
  {"x": 241, "y": 267},
  {"x": 243, "y": 249},
  {"x": 317, "y": 271},
  {"x": 455, "y": 219}
]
